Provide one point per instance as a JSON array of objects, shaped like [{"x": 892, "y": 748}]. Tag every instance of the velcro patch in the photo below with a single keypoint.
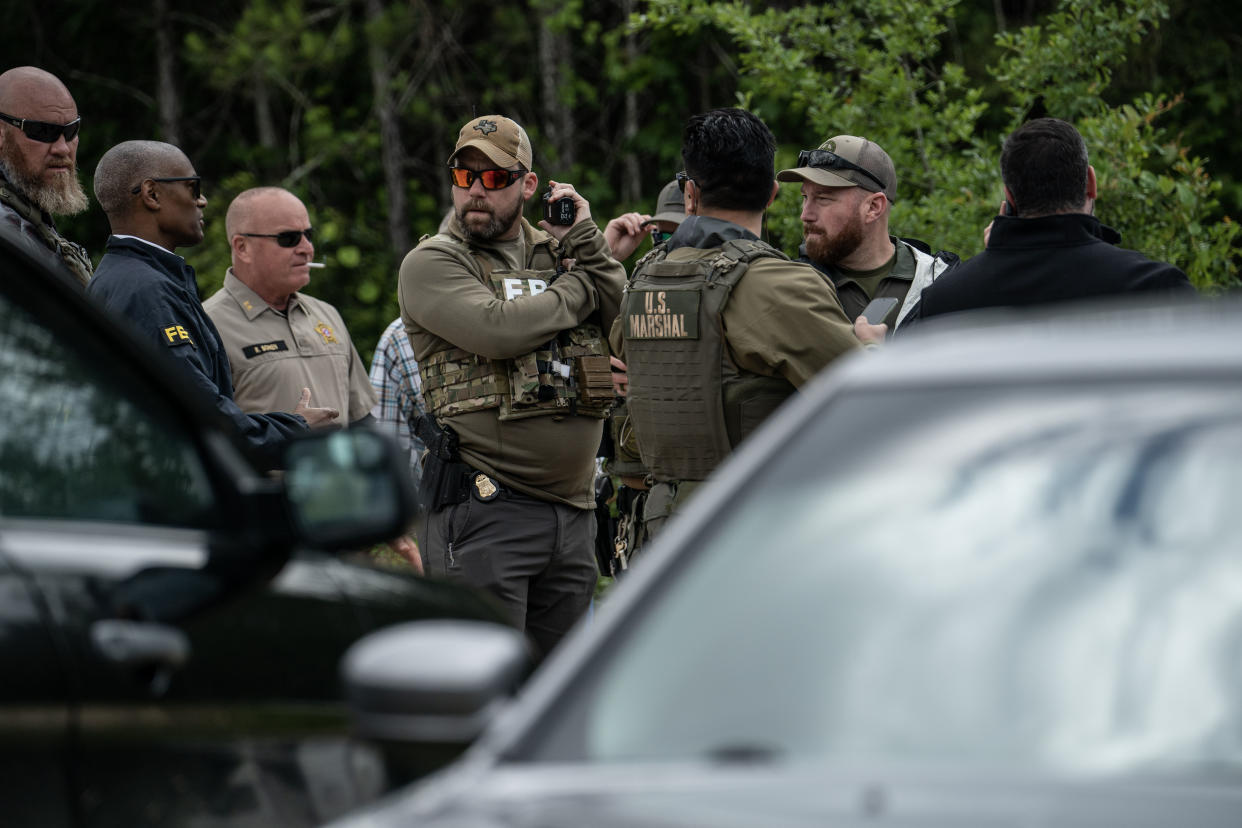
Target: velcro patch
[
  {"x": 252, "y": 351},
  {"x": 662, "y": 314},
  {"x": 176, "y": 335}
]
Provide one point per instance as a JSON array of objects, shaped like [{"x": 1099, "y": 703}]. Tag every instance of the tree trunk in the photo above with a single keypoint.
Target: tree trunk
[
  {"x": 632, "y": 184},
  {"x": 392, "y": 151},
  {"x": 263, "y": 108},
  {"x": 558, "y": 123},
  {"x": 168, "y": 102}
]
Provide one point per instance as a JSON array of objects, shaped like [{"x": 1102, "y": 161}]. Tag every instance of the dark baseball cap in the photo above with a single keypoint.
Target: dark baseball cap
[
  {"x": 497, "y": 137},
  {"x": 671, "y": 206},
  {"x": 846, "y": 161}
]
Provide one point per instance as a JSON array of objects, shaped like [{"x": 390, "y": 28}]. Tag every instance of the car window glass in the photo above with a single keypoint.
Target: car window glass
[
  {"x": 74, "y": 446},
  {"x": 1044, "y": 578}
]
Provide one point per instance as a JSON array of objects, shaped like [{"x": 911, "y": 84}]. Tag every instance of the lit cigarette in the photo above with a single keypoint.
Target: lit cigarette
[{"x": 315, "y": 264}]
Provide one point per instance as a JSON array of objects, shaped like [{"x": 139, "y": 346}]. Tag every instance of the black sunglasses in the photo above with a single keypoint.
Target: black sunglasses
[
  {"x": 196, "y": 184},
  {"x": 42, "y": 131},
  {"x": 286, "y": 238},
  {"x": 682, "y": 178},
  {"x": 824, "y": 160},
  {"x": 492, "y": 179}
]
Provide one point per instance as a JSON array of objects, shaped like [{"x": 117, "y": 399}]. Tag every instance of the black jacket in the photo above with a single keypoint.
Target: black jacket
[
  {"x": 1039, "y": 261},
  {"x": 155, "y": 292}
]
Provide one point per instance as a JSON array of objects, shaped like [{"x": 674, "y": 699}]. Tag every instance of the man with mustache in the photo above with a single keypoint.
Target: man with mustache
[
  {"x": 849, "y": 186},
  {"x": 38, "y": 162},
  {"x": 507, "y": 323}
]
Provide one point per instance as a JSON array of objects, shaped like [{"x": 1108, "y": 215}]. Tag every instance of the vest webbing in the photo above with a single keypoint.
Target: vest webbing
[
  {"x": 72, "y": 255},
  {"x": 569, "y": 374},
  {"x": 688, "y": 401}
]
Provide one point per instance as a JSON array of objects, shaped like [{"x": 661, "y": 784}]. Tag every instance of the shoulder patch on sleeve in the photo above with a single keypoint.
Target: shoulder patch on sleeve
[{"x": 176, "y": 335}]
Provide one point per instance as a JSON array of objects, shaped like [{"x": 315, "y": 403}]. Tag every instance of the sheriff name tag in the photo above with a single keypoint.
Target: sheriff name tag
[
  {"x": 662, "y": 314},
  {"x": 252, "y": 351}
]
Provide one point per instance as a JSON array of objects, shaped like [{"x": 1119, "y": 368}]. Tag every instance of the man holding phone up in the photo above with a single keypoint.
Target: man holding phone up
[
  {"x": 507, "y": 323},
  {"x": 849, "y": 186}
]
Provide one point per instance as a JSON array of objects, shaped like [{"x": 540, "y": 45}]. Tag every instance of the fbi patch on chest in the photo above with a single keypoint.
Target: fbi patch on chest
[
  {"x": 252, "y": 351},
  {"x": 662, "y": 314}
]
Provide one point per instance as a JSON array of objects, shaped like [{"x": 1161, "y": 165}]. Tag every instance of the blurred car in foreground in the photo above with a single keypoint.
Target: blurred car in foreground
[
  {"x": 168, "y": 648},
  {"x": 984, "y": 577}
]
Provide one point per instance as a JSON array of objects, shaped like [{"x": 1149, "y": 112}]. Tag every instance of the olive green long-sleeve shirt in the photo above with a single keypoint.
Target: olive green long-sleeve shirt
[{"x": 446, "y": 303}]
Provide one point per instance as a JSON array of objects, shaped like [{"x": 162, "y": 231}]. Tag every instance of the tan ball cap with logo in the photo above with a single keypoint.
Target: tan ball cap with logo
[
  {"x": 497, "y": 137},
  {"x": 671, "y": 205},
  {"x": 854, "y": 152}
]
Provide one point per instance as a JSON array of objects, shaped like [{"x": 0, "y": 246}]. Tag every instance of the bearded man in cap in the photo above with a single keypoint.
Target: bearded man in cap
[
  {"x": 849, "y": 187},
  {"x": 507, "y": 323},
  {"x": 38, "y": 163}
]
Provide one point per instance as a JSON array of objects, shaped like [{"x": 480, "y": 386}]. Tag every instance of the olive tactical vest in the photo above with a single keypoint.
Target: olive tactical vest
[
  {"x": 568, "y": 374},
  {"x": 689, "y": 403},
  {"x": 73, "y": 255}
]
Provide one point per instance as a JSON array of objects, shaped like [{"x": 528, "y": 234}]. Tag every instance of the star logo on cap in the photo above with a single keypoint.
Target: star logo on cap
[{"x": 486, "y": 127}]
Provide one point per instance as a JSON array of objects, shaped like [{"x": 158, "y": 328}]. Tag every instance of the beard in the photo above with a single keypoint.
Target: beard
[
  {"x": 63, "y": 197},
  {"x": 485, "y": 230},
  {"x": 829, "y": 251}
]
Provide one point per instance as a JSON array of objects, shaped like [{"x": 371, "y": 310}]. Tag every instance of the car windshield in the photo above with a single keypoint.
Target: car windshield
[{"x": 1047, "y": 577}]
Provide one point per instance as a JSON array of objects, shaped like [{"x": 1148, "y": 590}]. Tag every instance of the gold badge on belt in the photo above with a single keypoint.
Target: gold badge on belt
[{"x": 485, "y": 487}]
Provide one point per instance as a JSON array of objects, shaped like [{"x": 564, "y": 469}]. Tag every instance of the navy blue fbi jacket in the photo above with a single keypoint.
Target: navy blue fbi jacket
[
  {"x": 1046, "y": 260},
  {"x": 155, "y": 291}
]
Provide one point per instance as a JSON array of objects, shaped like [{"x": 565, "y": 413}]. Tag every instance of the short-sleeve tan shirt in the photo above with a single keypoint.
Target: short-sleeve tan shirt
[{"x": 274, "y": 356}]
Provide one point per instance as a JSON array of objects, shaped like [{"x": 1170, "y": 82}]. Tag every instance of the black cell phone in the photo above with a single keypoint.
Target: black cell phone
[
  {"x": 878, "y": 308},
  {"x": 559, "y": 211}
]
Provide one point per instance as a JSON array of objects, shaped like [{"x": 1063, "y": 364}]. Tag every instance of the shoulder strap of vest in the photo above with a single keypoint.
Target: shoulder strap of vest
[{"x": 725, "y": 266}]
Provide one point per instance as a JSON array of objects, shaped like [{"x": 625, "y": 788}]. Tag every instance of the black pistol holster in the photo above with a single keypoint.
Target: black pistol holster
[{"x": 445, "y": 478}]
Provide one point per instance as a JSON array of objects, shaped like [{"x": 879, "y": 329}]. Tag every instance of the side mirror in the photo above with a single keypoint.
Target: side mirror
[
  {"x": 426, "y": 689},
  {"x": 348, "y": 488}
]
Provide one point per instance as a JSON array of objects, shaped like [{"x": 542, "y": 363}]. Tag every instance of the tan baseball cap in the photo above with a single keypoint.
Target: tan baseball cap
[
  {"x": 846, "y": 161},
  {"x": 671, "y": 205},
  {"x": 497, "y": 137}
]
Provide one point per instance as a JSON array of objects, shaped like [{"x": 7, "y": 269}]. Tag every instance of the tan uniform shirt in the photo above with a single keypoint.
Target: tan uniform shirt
[
  {"x": 275, "y": 356},
  {"x": 444, "y": 304}
]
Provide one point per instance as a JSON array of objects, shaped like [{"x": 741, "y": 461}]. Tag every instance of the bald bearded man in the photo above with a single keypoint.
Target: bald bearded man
[{"x": 39, "y": 163}]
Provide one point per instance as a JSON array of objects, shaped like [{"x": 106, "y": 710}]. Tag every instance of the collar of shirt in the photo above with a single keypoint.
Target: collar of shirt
[
  {"x": 144, "y": 241},
  {"x": 251, "y": 304}
]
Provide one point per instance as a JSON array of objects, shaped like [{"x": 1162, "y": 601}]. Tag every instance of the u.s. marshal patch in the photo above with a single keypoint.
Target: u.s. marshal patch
[
  {"x": 662, "y": 314},
  {"x": 485, "y": 487}
]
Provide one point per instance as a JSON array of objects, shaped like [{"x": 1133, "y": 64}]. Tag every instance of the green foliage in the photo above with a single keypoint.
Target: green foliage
[{"x": 877, "y": 68}]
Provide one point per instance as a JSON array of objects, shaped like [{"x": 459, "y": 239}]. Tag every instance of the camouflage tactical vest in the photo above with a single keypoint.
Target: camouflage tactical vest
[
  {"x": 689, "y": 403},
  {"x": 569, "y": 374},
  {"x": 72, "y": 255}
]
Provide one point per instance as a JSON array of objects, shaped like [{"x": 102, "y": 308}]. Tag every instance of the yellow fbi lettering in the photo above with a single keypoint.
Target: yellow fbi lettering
[{"x": 177, "y": 335}]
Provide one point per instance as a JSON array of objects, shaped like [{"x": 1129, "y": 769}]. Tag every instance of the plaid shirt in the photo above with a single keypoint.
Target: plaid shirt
[{"x": 394, "y": 373}]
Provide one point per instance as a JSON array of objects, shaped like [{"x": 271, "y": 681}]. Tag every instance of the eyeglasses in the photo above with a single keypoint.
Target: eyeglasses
[
  {"x": 825, "y": 160},
  {"x": 195, "y": 182},
  {"x": 493, "y": 179},
  {"x": 682, "y": 178},
  {"x": 42, "y": 131},
  {"x": 286, "y": 238}
]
